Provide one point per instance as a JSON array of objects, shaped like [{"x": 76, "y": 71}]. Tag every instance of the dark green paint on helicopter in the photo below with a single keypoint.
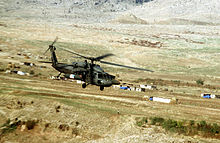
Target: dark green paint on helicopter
[{"x": 85, "y": 71}]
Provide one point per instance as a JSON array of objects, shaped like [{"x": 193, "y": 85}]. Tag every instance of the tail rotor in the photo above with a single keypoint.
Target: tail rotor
[{"x": 51, "y": 45}]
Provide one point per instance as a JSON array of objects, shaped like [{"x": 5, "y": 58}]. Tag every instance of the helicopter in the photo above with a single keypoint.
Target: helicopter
[{"x": 88, "y": 72}]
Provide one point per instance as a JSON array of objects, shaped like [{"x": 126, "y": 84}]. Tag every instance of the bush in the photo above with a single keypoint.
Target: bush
[
  {"x": 2, "y": 70},
  {"x": 157, "y": 120},
  {"x": 184, "y": 127},
  {"x": 30, "y": 124},
  {"x": 200, "y": 82},
  {"x": 7, "y": 127},
  {"x": 32, "y": 72},
  {"x": 176, "y": 82},
  {"x": 215, "y": 129},
  {"x": 170, "y": 125},
  {"x": 75, "y": 131},
  {"x": 141, "y": 121},
  {"x": 192, "y": 122},
  {"x": 202, "y": 126},
  {"x": 208, "y": 129}
]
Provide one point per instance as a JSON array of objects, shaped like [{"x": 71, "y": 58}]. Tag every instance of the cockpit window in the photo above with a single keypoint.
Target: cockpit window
[
  {"x": 100, "y": 75},
  {"x": 104, "y": 76}
]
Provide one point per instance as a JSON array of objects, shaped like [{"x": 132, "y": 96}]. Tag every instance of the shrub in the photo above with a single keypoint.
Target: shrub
[
  {"x": 30, "y": 124},
  {"x": 202, "y": 126},
  {"x": 32, "y": 72},
  {"x": 170, "y": 125},
  {"x": 208, "y": 129},
  {"x": 2, "y": 70},
  {"x": 7, "y": 127},
  {"x": 141, "y": 121},
  {"x": 215, "y": 129},
  {"x": 157, "y": 120},
  {"x": 75, "y": 131},
  {"x": 192, "y": 122},
  {"x": 200, "y": 82},
  {"x": 180, "y": 127},
  {"x": 176, "y": 82},
  {"x": 184, "y": 127}
]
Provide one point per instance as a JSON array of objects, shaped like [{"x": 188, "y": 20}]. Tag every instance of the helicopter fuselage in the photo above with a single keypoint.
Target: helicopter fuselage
[
  {"x": 68, "y": 68},
  {"x": 83, "y": 71},
  {"x": 90, "y": 73}
]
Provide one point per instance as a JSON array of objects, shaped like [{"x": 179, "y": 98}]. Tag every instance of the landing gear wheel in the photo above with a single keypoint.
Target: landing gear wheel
[
  {"x": 101, "y": 88},
  {"x": 58, "y": 75},
  {"x": 84, "y": 85}
]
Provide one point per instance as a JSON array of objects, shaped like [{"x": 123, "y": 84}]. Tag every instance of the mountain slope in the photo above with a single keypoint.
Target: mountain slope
[
  {"x": 197, "y": 10},
  {"x": 156, "y": 11},
  {"x": 82, "y": 10}
]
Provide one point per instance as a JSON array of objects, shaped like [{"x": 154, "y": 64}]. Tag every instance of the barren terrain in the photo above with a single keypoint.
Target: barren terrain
[{"x": 179, "y": 47}]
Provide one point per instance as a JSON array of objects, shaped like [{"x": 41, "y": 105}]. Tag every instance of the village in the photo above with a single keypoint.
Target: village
[
  {"x": 11, "y": 69},
  {"x": 131, "y": 71}
]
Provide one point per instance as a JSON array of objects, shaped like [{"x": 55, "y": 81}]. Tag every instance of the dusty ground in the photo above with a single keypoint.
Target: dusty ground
[
  {"x": 65, "y": 112},
  {"x": 179, "y": 40}
]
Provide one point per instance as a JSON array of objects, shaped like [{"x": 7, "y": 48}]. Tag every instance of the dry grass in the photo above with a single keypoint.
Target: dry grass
[{"x": 177, "y": 70}]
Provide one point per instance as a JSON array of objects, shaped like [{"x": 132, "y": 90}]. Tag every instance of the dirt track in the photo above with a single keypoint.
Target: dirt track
[
  {"x": 66, "y": 112},
  {"x": 92, "y": 101}
]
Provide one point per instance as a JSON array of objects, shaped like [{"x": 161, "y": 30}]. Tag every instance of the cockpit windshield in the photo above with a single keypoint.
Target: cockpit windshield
[
  {"x": 104, "y": 76},
  {"x": 100, "y": 75},
  {"x": 98, "y": 68}
]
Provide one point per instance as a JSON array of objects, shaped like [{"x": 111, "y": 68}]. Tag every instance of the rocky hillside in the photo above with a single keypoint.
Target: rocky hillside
[
  {"x": 79, "y": 10},
  {"x": 84, "y": 11},
  {"x": 167, "y": 10}
]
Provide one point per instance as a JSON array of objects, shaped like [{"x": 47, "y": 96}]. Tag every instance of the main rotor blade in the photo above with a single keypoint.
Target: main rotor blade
[
  {"x": 48, "y": 62},
  {"x": 125, "y": 66},
  {"x": 75, "y": 53},
  {"x": 103, "y": 56},
  {"x": 54, "y": 41},
  {"x": 46, "y": 50}
]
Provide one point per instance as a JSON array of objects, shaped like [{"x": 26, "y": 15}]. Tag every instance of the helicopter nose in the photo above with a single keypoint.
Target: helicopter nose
[{"x": 115, "y": 82}]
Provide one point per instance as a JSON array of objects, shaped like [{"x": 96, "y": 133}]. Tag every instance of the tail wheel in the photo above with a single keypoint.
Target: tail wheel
[
  {"x": 84, "y": 85},
  {"x": 101, "y": 88}
]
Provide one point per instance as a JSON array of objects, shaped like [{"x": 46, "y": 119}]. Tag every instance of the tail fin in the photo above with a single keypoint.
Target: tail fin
[{"x": 53, "y": 55}]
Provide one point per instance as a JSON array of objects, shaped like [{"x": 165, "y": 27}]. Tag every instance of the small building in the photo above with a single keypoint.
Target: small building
[
  {"x": 124, "y": 87},
  {"x": 133, "y": 88},
  {"x": 150, "y": 87},
  {"x": 208, "y": 95},
  {"x": 116, "y": 86},
  {"x": 164, "y": 100},
  {"x": 138, "y": 89}
]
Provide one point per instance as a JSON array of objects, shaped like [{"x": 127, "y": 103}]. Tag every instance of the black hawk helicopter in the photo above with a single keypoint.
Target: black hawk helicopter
[{"x": 85, "y": 71}]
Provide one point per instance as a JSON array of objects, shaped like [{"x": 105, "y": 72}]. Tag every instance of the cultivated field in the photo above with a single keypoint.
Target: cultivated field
[
  {"x": 65, "y": 112},
  {"x": 177, "y": 40}
]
